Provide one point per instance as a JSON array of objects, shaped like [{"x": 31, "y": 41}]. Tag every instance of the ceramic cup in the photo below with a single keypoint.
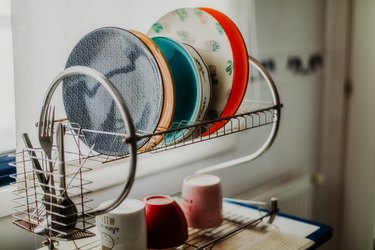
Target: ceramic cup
[
  {"x": 166, "y": 223},
  {"x": 124, "y": 227},
  {"x": 202, "y": 201}
]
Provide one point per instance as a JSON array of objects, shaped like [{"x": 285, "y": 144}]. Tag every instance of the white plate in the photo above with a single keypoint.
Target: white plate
[{"x": 200, "y": 30}]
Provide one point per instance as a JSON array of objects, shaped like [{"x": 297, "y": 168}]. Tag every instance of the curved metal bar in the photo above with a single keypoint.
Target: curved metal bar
[
  {"x": 131, "y": 139},
  {"x": 275, "y": 125}
]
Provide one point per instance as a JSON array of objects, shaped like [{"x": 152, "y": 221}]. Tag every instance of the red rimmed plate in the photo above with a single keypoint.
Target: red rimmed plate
[
  {"x": 240, "y": 66},
  {"x": 218, "y": 40}
]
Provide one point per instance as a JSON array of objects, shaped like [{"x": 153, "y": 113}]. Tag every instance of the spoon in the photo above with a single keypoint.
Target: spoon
[{"x": 65, "y": 218}]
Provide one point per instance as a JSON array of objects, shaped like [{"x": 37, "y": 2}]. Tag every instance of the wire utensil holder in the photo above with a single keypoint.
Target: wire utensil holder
[
  {"x": 30, "y": 209},
  {"x": 41, "y": 212},
  {"x": 34, "y": 208}
]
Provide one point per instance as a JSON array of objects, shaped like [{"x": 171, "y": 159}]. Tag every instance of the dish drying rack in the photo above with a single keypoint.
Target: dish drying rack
[
  {"x": 30, "y": 209},
  {"x": 31, "y": 200}
]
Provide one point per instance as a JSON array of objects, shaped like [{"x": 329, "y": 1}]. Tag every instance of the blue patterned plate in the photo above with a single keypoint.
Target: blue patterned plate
[{"x": 128, "y": 63}]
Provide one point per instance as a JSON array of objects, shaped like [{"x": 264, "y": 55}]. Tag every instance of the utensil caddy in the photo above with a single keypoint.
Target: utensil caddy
[{"x": 30, "y": 213}]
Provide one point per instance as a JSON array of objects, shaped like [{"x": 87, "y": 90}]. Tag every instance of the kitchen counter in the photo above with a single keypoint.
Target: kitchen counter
[{"x": 286, "y": 232}]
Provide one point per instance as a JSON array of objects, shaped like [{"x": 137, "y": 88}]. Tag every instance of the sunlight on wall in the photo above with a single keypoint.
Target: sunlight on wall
[{"x": 7, "y": 121}]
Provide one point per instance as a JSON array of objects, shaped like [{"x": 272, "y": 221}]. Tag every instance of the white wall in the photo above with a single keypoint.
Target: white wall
[
  {"x": 45, "y": 31},
  {"x": 328, "y": 191},
  {"x": 359, "y": 202},
  {"x": 294, "y": 28},
  {"x": 7, "y": 123}
]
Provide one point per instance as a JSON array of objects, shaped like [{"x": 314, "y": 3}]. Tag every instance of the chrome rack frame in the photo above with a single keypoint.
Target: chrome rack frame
[{"x": 30, "y": 197}]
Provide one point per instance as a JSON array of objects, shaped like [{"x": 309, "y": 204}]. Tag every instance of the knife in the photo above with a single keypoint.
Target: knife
[{"x": 36, "y": 164}]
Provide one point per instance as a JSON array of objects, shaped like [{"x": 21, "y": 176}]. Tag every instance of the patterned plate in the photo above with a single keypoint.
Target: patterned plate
[
  {"x": 128, "y": 63},
  {"x": 212, "y": 39}
]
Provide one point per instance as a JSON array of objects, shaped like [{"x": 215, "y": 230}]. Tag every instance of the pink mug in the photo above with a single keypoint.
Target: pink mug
[{"x": 202, "y": 201}]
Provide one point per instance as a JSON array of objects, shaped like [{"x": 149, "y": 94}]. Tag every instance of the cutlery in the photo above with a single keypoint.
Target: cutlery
[
  {"x": 45, "y": 135},
  {"x": 66, "y": 212},
  {"x": 36, "y": 164},
  {"x": 247, "y": 202},
  {"x": 41, "y": 178}
]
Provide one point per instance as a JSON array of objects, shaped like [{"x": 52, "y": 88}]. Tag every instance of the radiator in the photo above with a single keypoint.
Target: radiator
[{"x": 295, "y": 195}]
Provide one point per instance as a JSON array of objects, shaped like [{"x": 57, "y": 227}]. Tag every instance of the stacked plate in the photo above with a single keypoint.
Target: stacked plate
[{"x": 191, "y": 66}]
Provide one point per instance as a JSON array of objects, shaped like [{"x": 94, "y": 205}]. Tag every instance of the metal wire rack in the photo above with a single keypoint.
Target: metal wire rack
[
  {"x": 31, "y": 199},
  {"x": 31, "y": 202},
  {"x": 232, "y": 225},
  {"x": 261, "y": 114},
  {"x": 234, "y": 124},
  {"x": 206, "y": 239}
]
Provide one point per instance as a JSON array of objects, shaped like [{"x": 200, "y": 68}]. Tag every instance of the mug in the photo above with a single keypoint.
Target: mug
[
  {"x": 166, "y": 223},
  {"x": 123, "y": 227},
  {"x": 202, "y": 201}
]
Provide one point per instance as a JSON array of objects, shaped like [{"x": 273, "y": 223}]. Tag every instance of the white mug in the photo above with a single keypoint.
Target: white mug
[{"x": 124, "y": 227}]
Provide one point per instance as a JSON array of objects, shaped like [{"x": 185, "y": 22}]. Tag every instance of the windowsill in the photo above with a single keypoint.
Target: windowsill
[
  {"x": 6, "y": 204},
  {"x": 102, "y": 177}
]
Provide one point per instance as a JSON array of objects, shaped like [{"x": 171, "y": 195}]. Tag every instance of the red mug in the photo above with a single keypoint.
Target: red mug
[{"x": 166, "y": 223}]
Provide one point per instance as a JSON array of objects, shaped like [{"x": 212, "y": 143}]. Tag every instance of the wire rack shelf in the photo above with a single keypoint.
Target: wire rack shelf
[{"x": 39, "y": 212}]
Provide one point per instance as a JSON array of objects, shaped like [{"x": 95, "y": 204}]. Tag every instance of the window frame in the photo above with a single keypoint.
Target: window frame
[
  {"x": 7, "y": 153},
  {"x": 6, "y": 170}
]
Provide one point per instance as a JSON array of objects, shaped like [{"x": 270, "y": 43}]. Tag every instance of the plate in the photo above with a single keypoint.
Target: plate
[
  {"x": 240, "y": 65},
  {"x": 128, "y": 63},
  {"x": 205, "y": 82},
  {"x": 209, "y": 37},
  {"x": 187, "y": 85},
  {"x": 169, "y": 99}
]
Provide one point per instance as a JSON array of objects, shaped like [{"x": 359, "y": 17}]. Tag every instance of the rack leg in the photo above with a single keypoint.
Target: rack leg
[
  {"x": 50, "y": 244},
  {"x": 273, "y": 209}
]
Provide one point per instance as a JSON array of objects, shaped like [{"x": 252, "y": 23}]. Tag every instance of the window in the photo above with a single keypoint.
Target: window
[{"x": 7, "y": 107}]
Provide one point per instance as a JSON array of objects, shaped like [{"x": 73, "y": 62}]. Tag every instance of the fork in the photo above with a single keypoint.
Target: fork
[
  {"x": 38, "y": 213},
  {"x": 46, "y": 125}
]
